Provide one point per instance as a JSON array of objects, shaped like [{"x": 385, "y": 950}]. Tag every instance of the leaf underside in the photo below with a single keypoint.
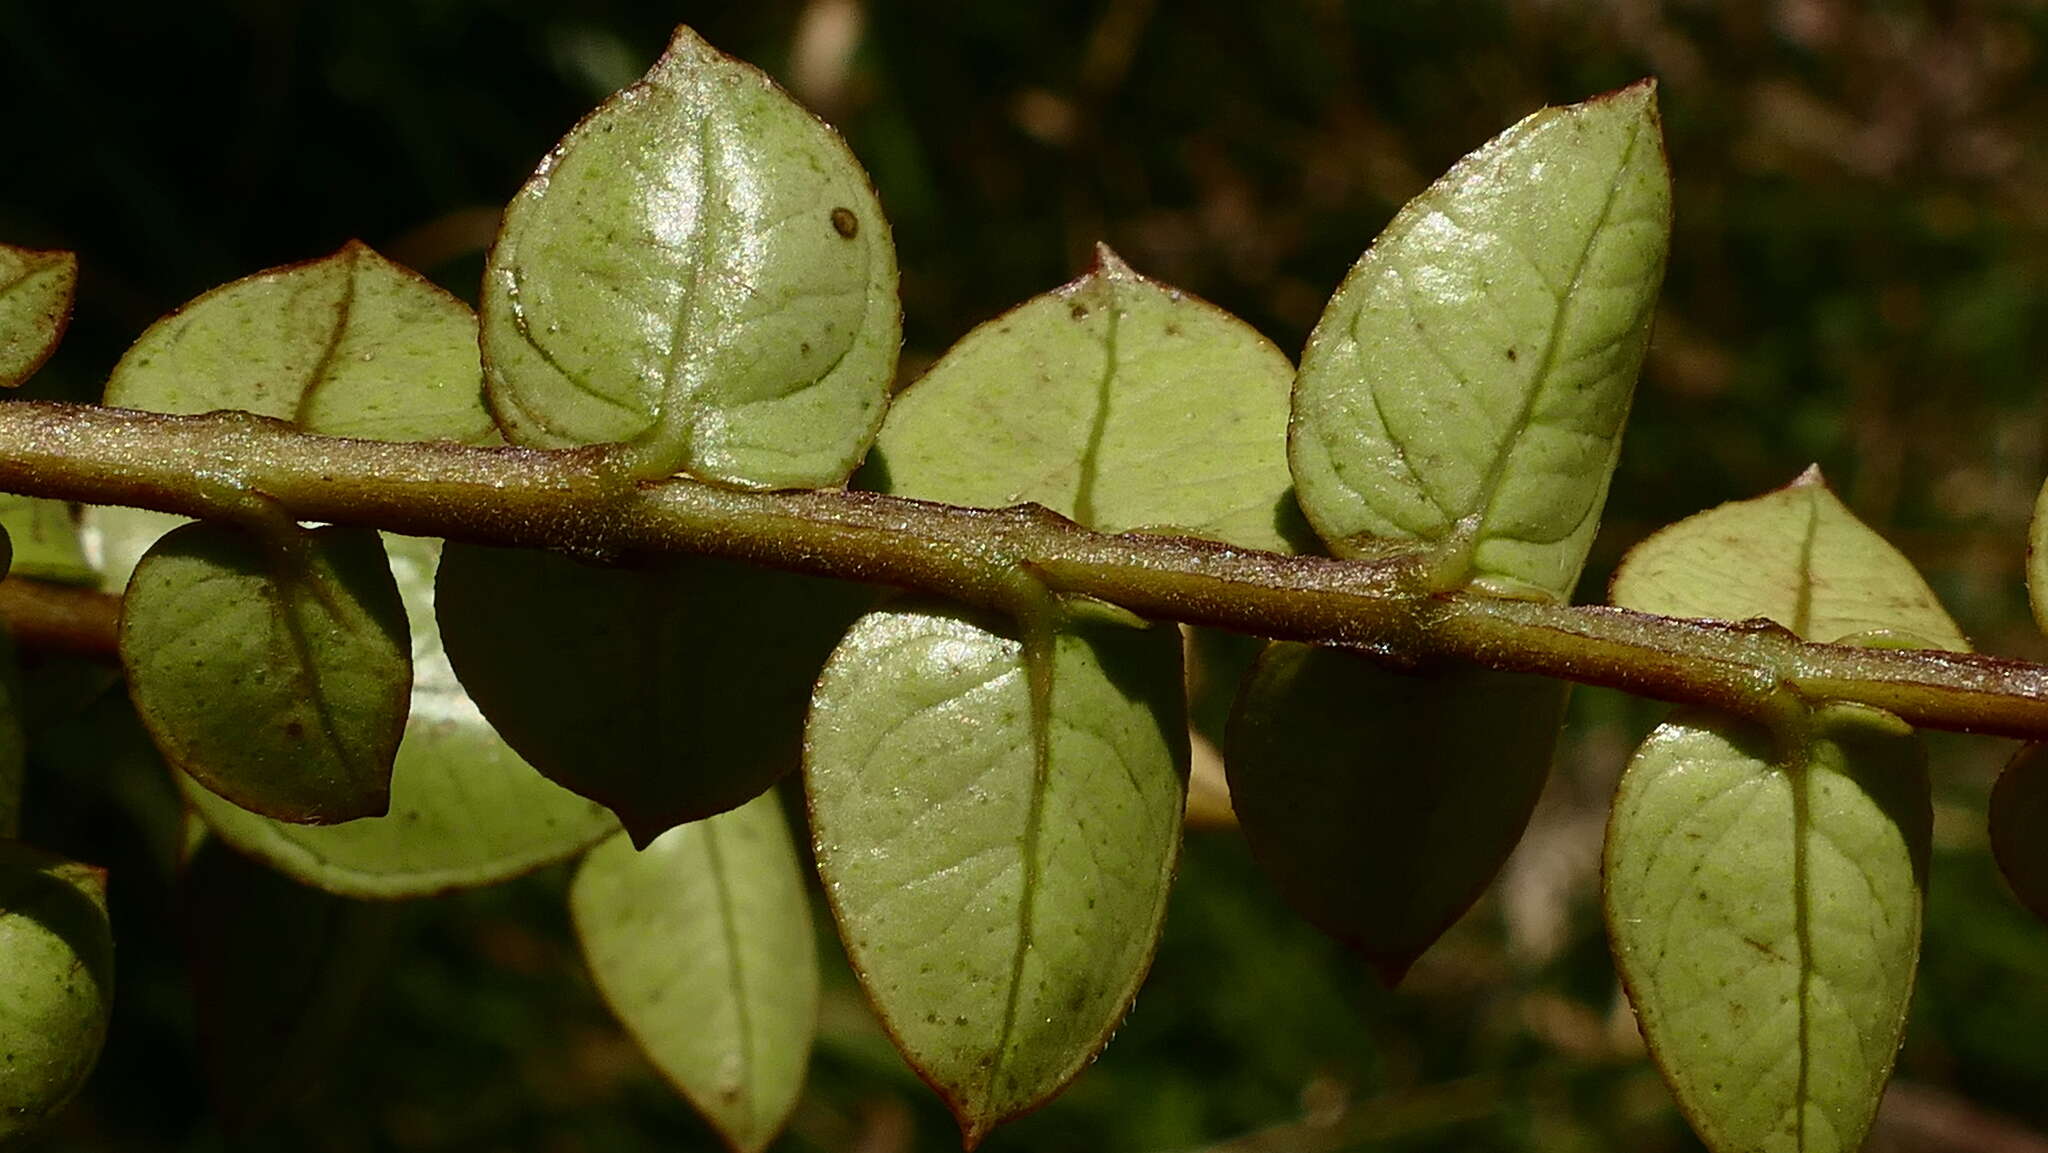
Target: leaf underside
[
  {"x": 1796, "y": 556},
  {"x": 2019, "y": 827},
  {"x": 1115, "y": 401},
  {"x": 997, "y": 826},
  {"x": 56, "y": 982},
  {"x": 1467, "y": 386},
  {"x": 701, "y": 944},
  {"x": 276, "y": 676},
  {"x": 465, "y": 809},
  {"x": 1372, "y": 798},
  {"x": 668, "y": 692},
  {"x": 36, "y": 290},
  {"x": 1765, "y": 915}
]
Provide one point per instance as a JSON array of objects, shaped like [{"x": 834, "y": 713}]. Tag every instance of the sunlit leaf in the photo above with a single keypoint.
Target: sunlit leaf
[
  {"x": 701, "y": 263},
  {"x": 465, "y": 809},
  {"x": 1764, "y": 906},
  {"x": 1382, "y": 803},
  {"x": 1466, "y": 388},
  {"x": 1116, "y": 401},
  {"x": 997, "y": 830},
  {"x": 56, "y": 982},
  {"x": 346, "y": 345},
  {"x": 1796, "y": 556},
  {"x": 45, "y": 541},
  {"x": 274, "y": 672},
  {"x": 35, "y": 306},
  {"x": 668, "y": 692},
  {"x": 2019, "y": 827},
  {"x": 701, "y": 943},
  {"x": 278, "y": 976}
]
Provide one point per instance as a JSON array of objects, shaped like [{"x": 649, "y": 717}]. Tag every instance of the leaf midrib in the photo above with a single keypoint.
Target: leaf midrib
[
  {"x": 1039, "y": 654},
  {"x": 1091, "y": 451},
  {"x": 1496, "y": 472}
]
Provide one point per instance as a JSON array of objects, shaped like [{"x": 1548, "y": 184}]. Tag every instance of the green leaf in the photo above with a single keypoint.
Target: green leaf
[
  {"x": 56, "y": 982},
  {"x": 279, "y": 973},
  {"x": 2019, "y": 827},
  {"x": 1115, "y": 401},
  {"x": 701, "y": 944},
  {"x": 1764, "y": 907},
  {"x": 45, "y": 541},
  {"x": 1467, "y": 386},
  {"x": 273, "y": 671},
  {"x": 1796, "y": 556},
  {"x": 702, "y": 265},
  {"x": 35, "y": 306},
  {"x": 346, "y": 345},
  {"x": 465, "y": 810},
  {"x": 997, "y": 826},
  {"x": 668, "y": 692},
  {"x": 1382, "y": 803}
]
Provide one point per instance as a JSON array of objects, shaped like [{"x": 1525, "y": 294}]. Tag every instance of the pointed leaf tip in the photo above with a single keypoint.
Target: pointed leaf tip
[
  {"x": 1796, "y": 556},
  {"x": 702, "y": 268},
  {"x": 1464, "y": 391}
]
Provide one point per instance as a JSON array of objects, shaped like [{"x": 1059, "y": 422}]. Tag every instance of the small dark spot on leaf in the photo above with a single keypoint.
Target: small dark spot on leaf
[
  {"x": 294, "y": 730},
  {"x": 845, "y": 223},
  {"x": 1077, "y": 310},
  {"x": 1512, "y": 354}
]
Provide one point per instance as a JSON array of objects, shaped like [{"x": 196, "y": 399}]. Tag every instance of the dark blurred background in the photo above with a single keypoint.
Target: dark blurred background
[{"x": 1858, "y": 279}]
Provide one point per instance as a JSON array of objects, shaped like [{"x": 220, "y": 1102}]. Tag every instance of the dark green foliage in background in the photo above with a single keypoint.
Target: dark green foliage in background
[{"x": 1858, "y": 277}]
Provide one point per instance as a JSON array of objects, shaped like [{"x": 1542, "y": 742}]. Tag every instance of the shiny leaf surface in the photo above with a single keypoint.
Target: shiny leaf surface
[
  {"x": 1466, "y": 388},
  {"x": 997, "y": 829},
  {"x": 1382, "y": 803},
  {"x": 700, "y": 263},
  {"x": 701, "y": 944}
]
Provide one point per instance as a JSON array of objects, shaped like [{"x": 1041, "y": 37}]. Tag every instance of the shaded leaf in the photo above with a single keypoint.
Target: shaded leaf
[
  {"x": 1796, "y": 556},
  {"x": 274, "y": 672},
  {"x": 36, "y": 289},
  {"x": 278, "y": 974},
  {"x": 13, "y": 740},
  {"x": 700, "y": 263},
  {"x": 346, "y": 345},
  {"x": 701, "y": 944},
  {"x": 1382, "y": 803},
  {"x": 668, "y": 692},
  {"x": 56, "y": 982},
  {"x": 465, "y": 809},
  {"x": 1467, "y": 386},
  {"x": 2019, "y": 827},
  {"x": 997, "y": 826},
  {"x": 1115, "y": 401},
  {"x": 1764, "y": 907},
  {"x": 45, "y": 541}
]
